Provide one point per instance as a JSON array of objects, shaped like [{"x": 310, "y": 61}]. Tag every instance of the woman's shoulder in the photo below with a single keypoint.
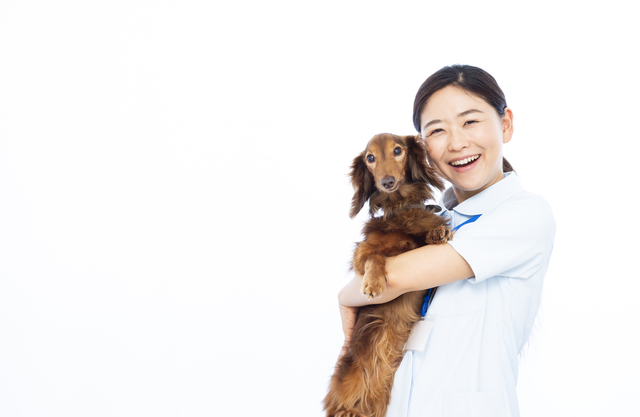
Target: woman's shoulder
[
  {"x": 526, "y": 201},
  {"x": 528, "y": 214}
]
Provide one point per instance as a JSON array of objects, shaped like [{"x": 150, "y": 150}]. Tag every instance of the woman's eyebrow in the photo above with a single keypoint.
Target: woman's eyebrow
[
  {"x": 464, "y": 113},
  {"x": 431, "y": 123}
]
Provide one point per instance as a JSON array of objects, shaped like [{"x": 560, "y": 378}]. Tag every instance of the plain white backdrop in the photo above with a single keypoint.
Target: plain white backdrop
[{"x": 174, "y": 200}]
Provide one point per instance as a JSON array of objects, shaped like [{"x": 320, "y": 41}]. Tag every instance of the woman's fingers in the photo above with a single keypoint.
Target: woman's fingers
[{"x": 348, "y": 316}]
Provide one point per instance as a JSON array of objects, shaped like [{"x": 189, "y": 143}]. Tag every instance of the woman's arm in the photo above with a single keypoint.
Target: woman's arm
[{"x": 419, "y": 269}]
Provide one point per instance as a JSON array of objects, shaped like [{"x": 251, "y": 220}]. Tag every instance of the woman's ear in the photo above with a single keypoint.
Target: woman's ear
[
  {"x": 362, "y": 182},
  {"x": 417, "y": 166},
  {"x": 507, "y": 125}
]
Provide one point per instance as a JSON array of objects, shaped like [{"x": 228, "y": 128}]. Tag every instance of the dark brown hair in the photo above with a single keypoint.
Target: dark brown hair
[{"x": 472, "y": 79}]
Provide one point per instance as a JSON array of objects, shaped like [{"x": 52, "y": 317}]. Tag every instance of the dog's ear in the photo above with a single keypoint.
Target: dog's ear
[
  {"x": 418, "y": 167},
  {"x": 362, "y": 182}
]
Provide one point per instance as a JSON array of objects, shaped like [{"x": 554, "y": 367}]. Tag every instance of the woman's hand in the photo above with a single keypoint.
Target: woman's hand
[{"x": 348, "y": 316}]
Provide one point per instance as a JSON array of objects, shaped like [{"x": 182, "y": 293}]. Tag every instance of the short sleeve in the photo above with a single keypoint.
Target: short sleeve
[{"x": 513, "y": 240}]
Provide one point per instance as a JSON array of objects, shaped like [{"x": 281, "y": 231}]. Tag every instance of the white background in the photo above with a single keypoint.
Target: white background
[{"x": 174, "y": 200}]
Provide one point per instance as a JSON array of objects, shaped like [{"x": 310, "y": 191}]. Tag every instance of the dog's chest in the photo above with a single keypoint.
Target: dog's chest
[{"x": 392, "y": 243}]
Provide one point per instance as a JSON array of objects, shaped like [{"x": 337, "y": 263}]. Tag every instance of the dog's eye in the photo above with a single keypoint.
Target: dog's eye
[
  {"x": 397, "y": 151},
  {"x": 370, "y": 158}
]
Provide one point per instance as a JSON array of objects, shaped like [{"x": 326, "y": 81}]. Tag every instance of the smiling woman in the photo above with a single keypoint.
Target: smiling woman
[
  {"x": 480, "y": 88},
  {"x": 464, "y": 137},
  {"x": 489, "y": 276}
]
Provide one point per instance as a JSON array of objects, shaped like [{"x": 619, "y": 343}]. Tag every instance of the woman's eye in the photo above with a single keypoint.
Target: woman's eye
[
  {"x": 397, "y": 151},
  {"x": 468, "y": 122},
  {"x": 371, "y": 158},
  {"x": 434, "y": 131}
]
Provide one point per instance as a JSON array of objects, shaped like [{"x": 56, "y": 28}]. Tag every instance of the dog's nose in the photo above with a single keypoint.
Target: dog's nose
[{"x": 388, "y": 182}]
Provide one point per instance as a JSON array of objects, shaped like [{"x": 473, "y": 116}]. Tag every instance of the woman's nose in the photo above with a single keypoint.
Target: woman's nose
[{"x": 457, "y": 141}]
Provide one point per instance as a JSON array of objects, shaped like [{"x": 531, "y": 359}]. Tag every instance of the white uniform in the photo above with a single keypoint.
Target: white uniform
[{"x": 470, "y": 364}]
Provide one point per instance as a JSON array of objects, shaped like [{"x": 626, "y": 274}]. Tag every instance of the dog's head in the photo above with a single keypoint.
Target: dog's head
[{"x": 388, "y": 163}]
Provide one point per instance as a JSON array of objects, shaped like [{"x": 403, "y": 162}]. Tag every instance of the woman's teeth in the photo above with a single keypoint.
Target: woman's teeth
[{"x": 465, "y": 161}]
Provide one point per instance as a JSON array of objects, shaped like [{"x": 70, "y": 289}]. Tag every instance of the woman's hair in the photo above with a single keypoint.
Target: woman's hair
[{"x": 471, "y": 79}]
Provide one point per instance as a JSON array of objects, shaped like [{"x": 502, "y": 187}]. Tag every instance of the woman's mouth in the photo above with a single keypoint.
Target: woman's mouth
[{"x": 467, "y": 162}]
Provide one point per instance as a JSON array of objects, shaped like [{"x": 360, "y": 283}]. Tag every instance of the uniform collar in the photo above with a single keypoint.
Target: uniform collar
[{"x": 485, "y": 200}]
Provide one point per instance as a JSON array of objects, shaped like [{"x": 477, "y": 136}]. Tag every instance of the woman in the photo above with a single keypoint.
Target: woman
[{"x": 489, "y": 276}]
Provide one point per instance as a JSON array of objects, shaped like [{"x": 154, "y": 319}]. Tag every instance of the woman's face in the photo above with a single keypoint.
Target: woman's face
[{"x": 464, "y": 137}]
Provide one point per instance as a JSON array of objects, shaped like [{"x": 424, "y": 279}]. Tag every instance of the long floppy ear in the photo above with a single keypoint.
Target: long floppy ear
[
  {"x": 362, "y": 182},
  {"x": 418, "y": 167}
]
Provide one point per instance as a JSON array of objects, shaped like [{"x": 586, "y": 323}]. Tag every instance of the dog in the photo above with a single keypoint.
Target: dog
[{"x": 392, "y": 173}]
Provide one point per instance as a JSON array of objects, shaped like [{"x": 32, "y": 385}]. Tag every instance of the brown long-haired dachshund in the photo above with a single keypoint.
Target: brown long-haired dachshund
[{"x": 392, "y": 173}]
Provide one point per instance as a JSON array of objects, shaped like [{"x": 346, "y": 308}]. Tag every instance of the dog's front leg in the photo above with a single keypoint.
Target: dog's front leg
[
  {"x": 374, "y": 281},
  {"x": 368, "y": 263}
]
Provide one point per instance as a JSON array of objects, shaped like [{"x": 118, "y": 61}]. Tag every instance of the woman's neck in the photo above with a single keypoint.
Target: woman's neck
[{"x": 462, "y": 195}]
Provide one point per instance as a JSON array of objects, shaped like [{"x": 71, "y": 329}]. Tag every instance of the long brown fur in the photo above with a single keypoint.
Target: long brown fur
[{"x": 361, "y": 383}]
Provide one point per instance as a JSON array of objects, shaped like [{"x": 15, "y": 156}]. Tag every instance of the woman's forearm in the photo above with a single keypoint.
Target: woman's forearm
[
  {"x": 351, "y": 294},
  {"x": 426, "y": 267},
  {"x": 419, "y": 269}
]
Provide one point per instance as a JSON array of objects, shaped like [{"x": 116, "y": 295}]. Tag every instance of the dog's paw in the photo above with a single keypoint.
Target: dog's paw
[
  {"x": 373, "y": 287},
  {"x": 439, "y": 235}
]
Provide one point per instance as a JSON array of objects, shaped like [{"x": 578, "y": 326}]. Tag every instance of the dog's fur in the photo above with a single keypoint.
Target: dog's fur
[{"x": 362, "y": 380}]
